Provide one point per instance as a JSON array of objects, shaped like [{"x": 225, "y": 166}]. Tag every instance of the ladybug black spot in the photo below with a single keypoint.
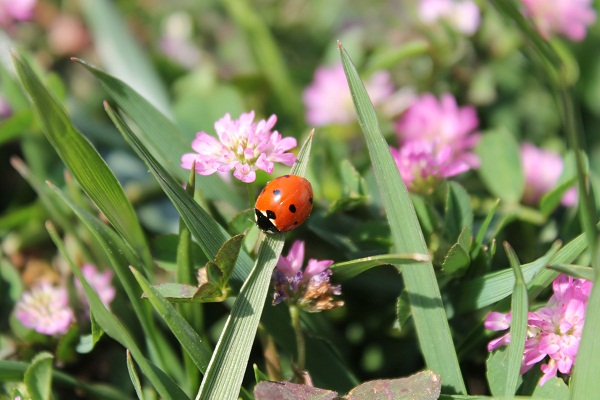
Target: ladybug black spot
[
  {"x": 271, "y": 214},
  {"x": 292, "y": 208},
  {"x": 295, "y": 222},
  {"x": 310, "y": 200},
  {"x": 277, "y": 194},
  {"x": 286, "y": 176}
]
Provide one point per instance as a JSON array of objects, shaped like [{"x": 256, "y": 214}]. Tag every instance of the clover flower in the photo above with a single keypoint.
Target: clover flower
[
  {"x": 441, "y": 123},
  {"x": 310, "y": 288},
  {"x": 542, "y": 170},
  {"x": 463, "y": 15},
  {"x": 569, "y": 18},
  {"x": 328, "y": 100},
  {"x": 16, "y": 10},
  {"x": 100, "y": 281},
  {"x": 243, "y": 145},
  {"x": 45, "y": 309},
  {"x": 422, "y": 167},
  {"x": 554, "y": 331}
]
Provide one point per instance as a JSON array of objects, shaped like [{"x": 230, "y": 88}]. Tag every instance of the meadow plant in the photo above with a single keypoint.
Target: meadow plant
[{"x": 131, "y": 264}]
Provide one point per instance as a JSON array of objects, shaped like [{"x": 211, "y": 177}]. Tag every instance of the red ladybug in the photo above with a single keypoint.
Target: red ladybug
[{"x": 283, "y": 204}]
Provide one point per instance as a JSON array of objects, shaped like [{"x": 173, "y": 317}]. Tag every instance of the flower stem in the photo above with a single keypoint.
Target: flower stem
[{"x": 300, "y": 344}]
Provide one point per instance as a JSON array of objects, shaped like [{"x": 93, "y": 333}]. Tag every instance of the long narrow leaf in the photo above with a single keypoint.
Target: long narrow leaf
[
  {"x": 84, "y": 162},
  {"x": 115, "y": 329},
  {"x": 349, "y": 269},
  {"x": 426, "y": 303}
]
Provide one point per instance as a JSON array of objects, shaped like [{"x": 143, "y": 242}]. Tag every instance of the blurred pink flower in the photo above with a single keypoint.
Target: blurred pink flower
[
  {"x": 569, "y": 18},
  {"x": 442, "y": 123},
  {"x": 309, "y": 288},
  {"x": 45, "y": 309},
  {"x": 100, "y": 281},
  {"x": 542, "y": 170},
  {"x": 243, "y": 145},
  {"x": 554, "y": 331},
  {"x": 463, "y": 15},
  {"x": 328, "y": 100},
  {"x": 16, "y": 10},
  {"x": 422, "y": 166}
]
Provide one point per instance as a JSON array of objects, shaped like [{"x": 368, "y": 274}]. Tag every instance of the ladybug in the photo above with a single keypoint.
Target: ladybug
[{"x": 284, "y": 204}]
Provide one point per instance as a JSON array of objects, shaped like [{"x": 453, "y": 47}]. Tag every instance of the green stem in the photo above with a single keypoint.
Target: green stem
[{"x": 300, "y": 344}]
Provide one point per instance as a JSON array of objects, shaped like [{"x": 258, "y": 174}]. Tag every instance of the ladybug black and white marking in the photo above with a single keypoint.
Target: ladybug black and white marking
[{"x": 284, "y": 204}]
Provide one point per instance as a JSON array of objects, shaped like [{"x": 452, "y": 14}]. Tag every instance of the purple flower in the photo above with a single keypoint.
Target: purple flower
[
  {"x": 328, "y": 100},
  {"x": 463, "y": 15},
  {"x": 16, "y": 10},
  {"x": 554, "y": 331},
  {"x": 441, "y": 123},
  {"x": 422, "y": 167},
  {"x": 100, "y": 281},
  {"x": 45, "y": 309},
  {"x": 542, "y": 170},
  {"x": 569, "y": 18},
  {"x": 309, "y": 288},
  {"x": 243, "y": 145}
]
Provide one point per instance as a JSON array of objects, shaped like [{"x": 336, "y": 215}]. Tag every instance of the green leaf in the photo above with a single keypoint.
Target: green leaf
[
  {"x": 576, "y": 271},
  {"x": 518, "y": 327},
  {"x": 133, "y": 375},
  {"x": 459, "y": 213},
  {"x": 427, "y": 307},
  {"x": 553, "y": 389},
  {"x": 226, "y": 258},
  {"x": 177, "y": 292},
  {"x": 116, "y": 330},
  {"x": 38, "y": 377},
  {"x": 496, "y": 365},
  {"x": 500, "y": 167},
  {"x": 292, "y": 391},
  {"x": 225, "y": 372},
  {"x": 189, "y": 339},
  {"x": 552, "y": 199},
  {"x": 120, "y": 53},
  {"x": 163, "y": 140},
  {"x": 349, "y": 269},
  {"x": 13, "y": 127},
  {"x": 486, "y": 224},
  {"x": 354, "y": 189},
  {"x": 388, "y": 57},
  {"x": 425, "y": 385},
  {"x": 457, "y": 259},
  {"x": 84, "y": 162}
]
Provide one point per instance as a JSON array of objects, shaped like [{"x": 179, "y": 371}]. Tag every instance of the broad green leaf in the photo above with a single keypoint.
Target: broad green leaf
[
  {"x": 500, "y": 167},
  {"x": 133, "y": 375},
  {"x": 427, "y": 307},
  {"x": 576, "y": 271},
  {"x": 38, "y": 377},
  {"x": 518, "y": 327},
  {"x": 553, "y": 389},
  {"x": 116, "y": 330},
  {"x": 208, "y": 233},
  {"x": 459, "y": 213},
  {"x": 189, "y": 339},
  {"x": 227, "y": 366},
  {"x": 120, "y": 52},
  {"x": 457, "y": 259},
  {"x": 226, "y": 258},
  {"x": 496, "y": 365},
  {"x": 349, "y": 269},
  {"x": 424, "y": 385},
  {"x": 84, "y": 162},
  {"x": 163, "y": 140},
  {"x": 177, "y": 292}
]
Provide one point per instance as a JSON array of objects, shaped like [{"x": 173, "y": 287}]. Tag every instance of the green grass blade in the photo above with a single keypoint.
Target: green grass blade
[
  {"x": 518, "y": 327},
  {"x": 209, "y": 234},
  {"x": 228, "y": 364},
  {"x": 116, "y": 330},
  {"x": 576, "y": 271},
  {"x": 189, "y": 339},
  {"x": 349, "y": 269},
  {"x": 133, "y": 375},
  {"x": 427, "y": 307},
  {"x": 120, "y": 53},
  {"x": 84, "y": 162},
  {"x": 164, "y": 140}
]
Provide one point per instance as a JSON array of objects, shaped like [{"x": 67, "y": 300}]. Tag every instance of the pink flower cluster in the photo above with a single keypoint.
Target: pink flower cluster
[
  {"x": 542, "y": 170},
  {"x": 436, "y": 138},
  {"x": 462, "y": 15},
  {"x": 554, "y": 331},
  {"x": 243, "y": 146},
  {"x": 46, "y": 309},
  {"x": 328, "y": 100},
  {"x": 569, "y": 18},
  {"x": 16, "y": 10},
  {"x": 309, "y": 288}
]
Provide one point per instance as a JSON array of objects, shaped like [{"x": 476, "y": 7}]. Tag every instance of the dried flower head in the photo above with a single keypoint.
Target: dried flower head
[
  {"x": 310, "y": 288},
  {"x": 45, "y": 309},
  {"x": 243, "y": 146}
]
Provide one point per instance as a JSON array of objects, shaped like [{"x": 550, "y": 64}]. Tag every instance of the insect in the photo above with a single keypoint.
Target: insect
[{"x": 284, "y": 204}]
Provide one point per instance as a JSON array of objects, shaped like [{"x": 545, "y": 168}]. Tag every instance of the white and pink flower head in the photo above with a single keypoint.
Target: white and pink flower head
[
  {"x": 569, "y": 18},
  {"x": 100, "y": 281},
  {"x": 462, "y": 15},
  {"x": 45, "y": 309},
  {"x": 242, "y": 145},
  {"x": 16, "y": 10},
  {"x": 328, "y": 100},
  {"x": 309, "y": 288}
]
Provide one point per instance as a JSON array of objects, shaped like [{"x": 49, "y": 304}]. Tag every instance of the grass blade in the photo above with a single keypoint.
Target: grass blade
[
  {"x": 349, "y": 269},
  {"x": 427, "y": 307},
  {"x": 84, "y": 162}
]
